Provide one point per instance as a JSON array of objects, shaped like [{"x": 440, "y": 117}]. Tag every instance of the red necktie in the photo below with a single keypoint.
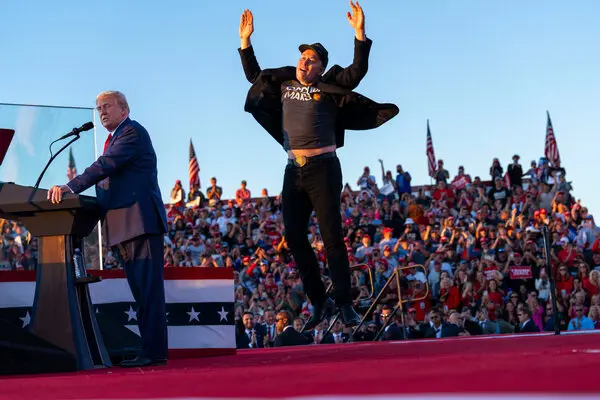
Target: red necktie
[{"x": 107, "y": 142}]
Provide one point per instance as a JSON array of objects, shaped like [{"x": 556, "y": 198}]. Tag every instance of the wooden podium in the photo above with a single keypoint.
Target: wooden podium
[{"x": 62, "y": 312}]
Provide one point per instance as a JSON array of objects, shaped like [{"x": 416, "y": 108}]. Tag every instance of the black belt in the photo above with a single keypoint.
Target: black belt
[{"x": 301, "y": 161}]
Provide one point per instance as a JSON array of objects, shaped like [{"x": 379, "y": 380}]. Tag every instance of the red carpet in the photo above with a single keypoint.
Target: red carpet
[{"x": 542, "y": 365}]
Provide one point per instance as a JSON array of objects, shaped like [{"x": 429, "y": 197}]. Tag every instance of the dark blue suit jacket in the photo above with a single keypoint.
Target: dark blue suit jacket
[{"x": 126, "y": 179}]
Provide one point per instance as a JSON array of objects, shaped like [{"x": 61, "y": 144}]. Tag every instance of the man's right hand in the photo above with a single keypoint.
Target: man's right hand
[{"x": 246, "y": 28}]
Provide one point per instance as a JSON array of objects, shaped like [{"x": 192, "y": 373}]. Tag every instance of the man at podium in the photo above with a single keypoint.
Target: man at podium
[{"x": 134, "y": 219}]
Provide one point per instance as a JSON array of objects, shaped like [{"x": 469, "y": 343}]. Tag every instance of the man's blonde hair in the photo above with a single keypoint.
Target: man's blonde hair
[{"x": 121, "y": 99}]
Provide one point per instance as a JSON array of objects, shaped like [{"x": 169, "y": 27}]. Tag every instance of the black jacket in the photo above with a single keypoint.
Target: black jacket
[
  {"x": 242, "y": 340},
  {"x": 530, "y": 327},
  {"x": 290, "y": 337},
  {"x": 394, "y": 332},
  {"x": 356, "y": 112},
  {"x": 426, "y": 331}
]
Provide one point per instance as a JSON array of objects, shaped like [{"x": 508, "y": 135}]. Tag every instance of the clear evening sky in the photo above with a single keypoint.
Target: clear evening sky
[{"x": 483, "y": 72}]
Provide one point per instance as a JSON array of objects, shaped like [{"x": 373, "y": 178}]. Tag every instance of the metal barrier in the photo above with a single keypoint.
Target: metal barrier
[
  {"x": 336, "y": 316},
  {"x": 394, "y": 277}
]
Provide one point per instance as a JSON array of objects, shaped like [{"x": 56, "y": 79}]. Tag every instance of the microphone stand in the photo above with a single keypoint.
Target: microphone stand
[{"x": 37, "y": 184}]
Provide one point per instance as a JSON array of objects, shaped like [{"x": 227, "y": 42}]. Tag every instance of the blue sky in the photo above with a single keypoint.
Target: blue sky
[{"x": 483, "y": 73}]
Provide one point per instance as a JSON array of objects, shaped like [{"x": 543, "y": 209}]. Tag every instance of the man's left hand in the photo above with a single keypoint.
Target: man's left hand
[
  {"x": 56, "y": 192},
  {"x": 357, "y": 20}
]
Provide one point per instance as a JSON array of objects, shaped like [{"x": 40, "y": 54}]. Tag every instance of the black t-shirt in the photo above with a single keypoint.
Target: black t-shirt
[
  {"x": 499, "y": 194},
  {"x": 309, "y": 117}
]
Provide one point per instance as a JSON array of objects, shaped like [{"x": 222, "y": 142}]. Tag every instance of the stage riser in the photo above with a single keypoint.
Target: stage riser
[{"x": 208, "y": 331}]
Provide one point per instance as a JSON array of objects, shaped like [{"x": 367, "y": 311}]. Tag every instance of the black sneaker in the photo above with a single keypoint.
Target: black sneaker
[
  {"x": 349, "y": 317},
  {"x": 320, "y": 312}
]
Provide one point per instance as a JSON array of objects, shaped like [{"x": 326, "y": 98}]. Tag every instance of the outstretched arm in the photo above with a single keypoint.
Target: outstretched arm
[
  {"x": 249, "y": 62},
  {"x": 351, "y": 76},
  {"x": 124, "y": 152}
]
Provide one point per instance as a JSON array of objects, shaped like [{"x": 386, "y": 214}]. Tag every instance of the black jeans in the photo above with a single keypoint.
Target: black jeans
[{"x": 317, "y": 185}]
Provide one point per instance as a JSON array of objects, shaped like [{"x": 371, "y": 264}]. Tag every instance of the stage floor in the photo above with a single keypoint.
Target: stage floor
[{"x": 533, "y": 366}]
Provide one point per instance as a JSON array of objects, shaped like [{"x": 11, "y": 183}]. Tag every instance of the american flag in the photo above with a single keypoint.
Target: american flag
[
  {"x": 430, "y": 153},
  {"x": 71, "y": 169},
  {"x": 551, "y": 148},
  {"x": 193, "y": 168},
  {"x": 507, "y": 180}
]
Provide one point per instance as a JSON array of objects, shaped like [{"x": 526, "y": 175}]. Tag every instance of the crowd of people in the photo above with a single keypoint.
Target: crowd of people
[{"x": 473, "y": 251}]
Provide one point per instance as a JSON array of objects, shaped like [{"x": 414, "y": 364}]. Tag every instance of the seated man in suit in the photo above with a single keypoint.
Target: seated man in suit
[
  {"x": 337, "y": 333},
  {"x": 252, "y": 336},
  {"x": 526, "y": 324},
  {"x": 502, "y": 325},
  {"x": 317, "y": 335},
  {"x": 436, "y": 328},
  {"x": 393, "y": 331},
  {"x": 456, "y": 325},
  {"x": 470, "y": 324},
  {"x": 286, "y": 334}
]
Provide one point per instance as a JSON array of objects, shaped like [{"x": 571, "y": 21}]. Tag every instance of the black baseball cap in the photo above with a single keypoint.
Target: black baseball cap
[{"x": 317, "y": 48}]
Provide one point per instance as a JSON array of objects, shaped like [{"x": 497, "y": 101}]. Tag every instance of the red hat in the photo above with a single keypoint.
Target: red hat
[{"x": 412, "y": 309}]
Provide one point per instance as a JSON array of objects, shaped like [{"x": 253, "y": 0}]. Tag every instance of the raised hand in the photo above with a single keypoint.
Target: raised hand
[
  {"x": 357, "y": 20},
  {"x": 246, "y": 24}
]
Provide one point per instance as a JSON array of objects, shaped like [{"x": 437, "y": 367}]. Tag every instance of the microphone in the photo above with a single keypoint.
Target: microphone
[{"x": 76, "y": 131}]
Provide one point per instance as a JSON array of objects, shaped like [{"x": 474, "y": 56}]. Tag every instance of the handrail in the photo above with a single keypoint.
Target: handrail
[
  {"x": 363, "y": 267},
  {"x": 426, "y": 283},
  {"x": 398, "y": 306},
  {"x": 394, "y": 277}
]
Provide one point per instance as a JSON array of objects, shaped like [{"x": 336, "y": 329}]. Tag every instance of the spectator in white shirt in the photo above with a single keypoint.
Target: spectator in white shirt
[{"x": 367, "y": 181}]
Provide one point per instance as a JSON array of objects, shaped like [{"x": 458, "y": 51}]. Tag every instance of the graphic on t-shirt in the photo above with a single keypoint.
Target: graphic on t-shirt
[{"x": 302, "y": 93}]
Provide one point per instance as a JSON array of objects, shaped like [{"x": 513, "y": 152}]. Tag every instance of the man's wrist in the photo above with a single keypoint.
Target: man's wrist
[
  {"x": 245, "y": 43},
  {"x": 360, "y": 35}
]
